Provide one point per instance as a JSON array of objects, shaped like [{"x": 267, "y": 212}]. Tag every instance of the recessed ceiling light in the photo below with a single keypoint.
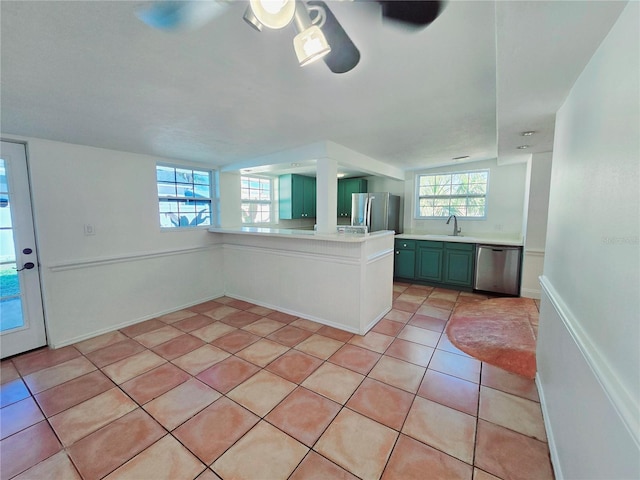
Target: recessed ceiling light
[
  {"x": 295, "y": 164},
  {"x": 523, "y": 147},
  {"x": 528, "y": 134},
  {"x": 341, "y": 175}
]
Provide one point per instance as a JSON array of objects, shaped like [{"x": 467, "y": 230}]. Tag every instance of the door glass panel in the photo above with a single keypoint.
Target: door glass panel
[{"x": 10, "y": 299}]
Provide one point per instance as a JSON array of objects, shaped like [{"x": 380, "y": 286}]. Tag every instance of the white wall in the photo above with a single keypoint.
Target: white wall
[
  {"x": 538, "y": 209},
  {"x": 505, "y": 202},
  {"x": 230, "y": 204},
  {"x": 129, "y": 270},
  {"x": 536, "y": 224},
  {"x": 589, "y": 333}
]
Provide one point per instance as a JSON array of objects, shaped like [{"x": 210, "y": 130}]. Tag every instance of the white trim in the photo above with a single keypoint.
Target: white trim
[
  {"x": 313, "y": 318},
  {"x": 621, "y": 399},
  {"x": 285, "y": 253},
  {"x": 530, "y": 293},
  {"x": 295, "y": 313},
  {"x": 375, "y": 321},
  {"x": 553, "y": 449},
  {"x": 379, "y": 255},
  {"x": 113, "y": 328},
  {"x": 99, "y": 261},
  {"x": 534, "y": 252}
]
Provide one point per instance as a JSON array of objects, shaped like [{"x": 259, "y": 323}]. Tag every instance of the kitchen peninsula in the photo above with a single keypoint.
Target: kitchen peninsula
[{"x": 338, "y": 279}]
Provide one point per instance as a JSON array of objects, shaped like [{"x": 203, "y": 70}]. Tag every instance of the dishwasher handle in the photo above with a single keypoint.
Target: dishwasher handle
[{"x": 498, "y": 248}]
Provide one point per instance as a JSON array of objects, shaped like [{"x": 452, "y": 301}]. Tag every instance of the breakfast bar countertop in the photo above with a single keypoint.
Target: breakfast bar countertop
[{"x": 302, "y": 234}]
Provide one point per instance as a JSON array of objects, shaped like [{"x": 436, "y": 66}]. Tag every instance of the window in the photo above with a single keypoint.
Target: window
[
  {"x": 184, "y": 196},
  {"x": 256, "y": 195},
  {"x": 463, "y": 194}
]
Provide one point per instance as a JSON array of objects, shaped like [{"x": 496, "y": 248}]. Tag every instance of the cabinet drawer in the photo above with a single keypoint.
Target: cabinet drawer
[
  {"x": 405, "y": 244},
  {"x": 430, "y": 244},
  {"x": 467, "y": 247}
]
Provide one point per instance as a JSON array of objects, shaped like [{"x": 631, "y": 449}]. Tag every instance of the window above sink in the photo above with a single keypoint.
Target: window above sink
[{"x": 462, "y": 194}]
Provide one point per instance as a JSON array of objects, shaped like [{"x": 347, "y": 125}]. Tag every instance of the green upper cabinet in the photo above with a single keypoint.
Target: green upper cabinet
[
  {"x": 347, "y": 187},
  {"x": 297, "y": 196},
  {"x": 458, "y": 264}
]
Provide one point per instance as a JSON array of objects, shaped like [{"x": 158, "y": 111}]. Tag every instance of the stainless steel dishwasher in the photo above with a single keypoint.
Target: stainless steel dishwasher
[{"x": 498, "y": 269}]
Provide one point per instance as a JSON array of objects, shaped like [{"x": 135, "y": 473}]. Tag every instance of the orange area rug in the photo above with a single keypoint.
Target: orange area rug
[{"x": 499, "y": 331}]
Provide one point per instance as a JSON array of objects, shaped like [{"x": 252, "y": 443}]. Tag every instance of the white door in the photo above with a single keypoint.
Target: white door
[{"x": 21, "y": 316}]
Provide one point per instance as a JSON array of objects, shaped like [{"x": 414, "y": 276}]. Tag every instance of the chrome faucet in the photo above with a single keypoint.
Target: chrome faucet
[{"x": 456, "y": 230}]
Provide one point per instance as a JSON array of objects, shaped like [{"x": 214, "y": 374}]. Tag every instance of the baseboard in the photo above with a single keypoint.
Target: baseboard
[
  {"x": 128, "y": 323},
  {"x": 531, "y": 293},
  {"x": 313, "y": 318},
  {"x": 553, "y": 450},
  {"x": 375, "y": 321}
]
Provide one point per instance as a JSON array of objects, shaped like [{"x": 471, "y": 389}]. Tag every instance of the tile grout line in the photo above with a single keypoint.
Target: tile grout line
[{"x": 327, "y": 360}]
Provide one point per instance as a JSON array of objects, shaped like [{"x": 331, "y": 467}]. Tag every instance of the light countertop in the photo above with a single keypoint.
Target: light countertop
[
  {"x": 302, "y": 234},
  {"x": 483, "y": 239}
]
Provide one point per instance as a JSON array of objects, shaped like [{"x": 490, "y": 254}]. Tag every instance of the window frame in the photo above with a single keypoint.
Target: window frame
[
  {"x": 418, "y": 197},
  {"x": 271, "y": 202},
  {"x": 210, "y": 199}
]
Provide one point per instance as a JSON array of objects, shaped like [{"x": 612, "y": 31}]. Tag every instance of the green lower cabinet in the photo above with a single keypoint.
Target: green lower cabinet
[
  {"x": 443, "y": 263},
  {"x": 405, "y": 264},
  {"x": 429, "y": 261},
  {"x": 458, "y": 266}
]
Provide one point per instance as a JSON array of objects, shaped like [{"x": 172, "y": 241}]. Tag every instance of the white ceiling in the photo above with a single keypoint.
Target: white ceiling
[{"x": 89, "y": 72}]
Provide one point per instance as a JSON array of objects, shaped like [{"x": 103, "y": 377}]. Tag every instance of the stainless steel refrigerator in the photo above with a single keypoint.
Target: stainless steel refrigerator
[{"x": 378, "y": 211}]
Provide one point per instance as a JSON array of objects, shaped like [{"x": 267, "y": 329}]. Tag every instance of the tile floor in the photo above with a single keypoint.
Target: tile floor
[{"x": 231, "y": 390}]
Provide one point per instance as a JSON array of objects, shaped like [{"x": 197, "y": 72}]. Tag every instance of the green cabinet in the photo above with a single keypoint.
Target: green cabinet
[
  {"x": 429, "y": 261},
  {"x": 458, "y": 264},
  {"x": 404, "y": 265},
  {"x": 297, "y": 196},
  {"x": 442, "y": 263},
  {"x": 347, "y": 187}
]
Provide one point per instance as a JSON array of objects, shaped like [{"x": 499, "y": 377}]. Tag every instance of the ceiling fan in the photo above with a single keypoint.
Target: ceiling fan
[{"x": 320, "y": 35}]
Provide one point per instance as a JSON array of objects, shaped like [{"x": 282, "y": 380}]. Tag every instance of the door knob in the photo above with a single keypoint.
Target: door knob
[{"x": 26, "y": 266}]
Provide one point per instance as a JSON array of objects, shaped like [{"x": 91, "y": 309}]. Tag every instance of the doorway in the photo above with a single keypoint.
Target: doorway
[{"x": 21, "y": 313}]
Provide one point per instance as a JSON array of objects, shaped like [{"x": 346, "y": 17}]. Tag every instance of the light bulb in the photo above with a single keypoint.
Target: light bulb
[
  {"x": 273, "y": 6},
  {"x": 310, "y": 45}
]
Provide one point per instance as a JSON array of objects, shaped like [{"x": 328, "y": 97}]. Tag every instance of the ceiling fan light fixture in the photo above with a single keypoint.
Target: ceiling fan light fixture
[
  {"x": 310, "y": 45},
  {"x": 273, "y": 14},
  {"x": 251, "y": 19}
]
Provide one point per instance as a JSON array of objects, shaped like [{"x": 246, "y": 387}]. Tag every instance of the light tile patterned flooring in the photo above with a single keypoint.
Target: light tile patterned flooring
[{"x": 231, "y": 390}]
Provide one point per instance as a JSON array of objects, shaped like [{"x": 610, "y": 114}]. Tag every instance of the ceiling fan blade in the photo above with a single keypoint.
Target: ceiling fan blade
[
  {"x": 414, "y": 13},
  {"x": 344, "y": 55},
  {"x": 180, "y": 15}
]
